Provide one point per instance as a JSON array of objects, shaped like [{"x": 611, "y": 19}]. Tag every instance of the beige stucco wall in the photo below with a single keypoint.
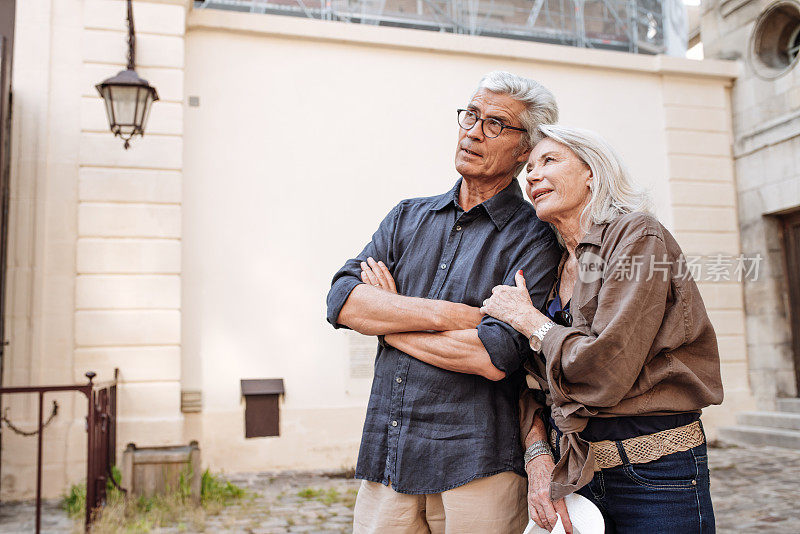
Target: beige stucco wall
[
  {"x": 203, "y": 254},
  {"x": 94, "y": 232},
  {"x": 307, "y": 133},
  {"x": 128, "y": 263}
]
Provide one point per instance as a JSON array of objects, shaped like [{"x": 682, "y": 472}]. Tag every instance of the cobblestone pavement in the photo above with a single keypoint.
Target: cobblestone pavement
[
  {"x": 755, "y": 489},
  {"x": 290, "y": 502},
  {"x": 19, "y": 517}
]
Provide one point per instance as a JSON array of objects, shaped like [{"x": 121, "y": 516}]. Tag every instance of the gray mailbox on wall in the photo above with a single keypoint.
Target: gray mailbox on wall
[{"x": 262, "y": 408}]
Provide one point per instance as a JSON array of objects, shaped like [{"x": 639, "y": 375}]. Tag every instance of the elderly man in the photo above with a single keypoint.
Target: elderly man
[{"x": 441, "y": 446}]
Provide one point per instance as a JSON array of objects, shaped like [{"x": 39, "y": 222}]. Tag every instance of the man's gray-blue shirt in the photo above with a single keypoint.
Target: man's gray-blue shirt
[{"x": 427, "y": 429}]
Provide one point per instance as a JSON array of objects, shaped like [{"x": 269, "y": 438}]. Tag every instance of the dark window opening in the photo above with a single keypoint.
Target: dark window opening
[
  {"x": 262, "y": 407},
  {"x": 776, "y": 40}
]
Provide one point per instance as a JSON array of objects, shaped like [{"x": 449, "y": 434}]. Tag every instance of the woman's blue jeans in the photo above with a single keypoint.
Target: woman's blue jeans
[{"x": 670, "y": 495}]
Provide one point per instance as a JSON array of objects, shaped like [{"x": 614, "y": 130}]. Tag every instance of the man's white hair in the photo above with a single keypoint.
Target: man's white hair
[
  {"x": 613, "y": 191},
  {"x": 540, "y": 104}
]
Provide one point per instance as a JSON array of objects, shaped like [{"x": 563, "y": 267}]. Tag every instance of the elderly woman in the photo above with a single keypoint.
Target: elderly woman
[{"x": 625, "y": 356}]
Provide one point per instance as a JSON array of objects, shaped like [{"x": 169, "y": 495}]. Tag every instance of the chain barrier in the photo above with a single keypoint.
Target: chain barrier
[{"x": 17, "y": 430}]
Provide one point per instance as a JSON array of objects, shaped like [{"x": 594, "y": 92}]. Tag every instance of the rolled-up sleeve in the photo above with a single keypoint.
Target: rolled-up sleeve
[
  {"x": 502, "y": 344},
  {"x": 349, "y": 276},
  {"x": 337, "y": 296},
  {"x": 529, "y": 409},
  {"x": 508, "y": 348}
]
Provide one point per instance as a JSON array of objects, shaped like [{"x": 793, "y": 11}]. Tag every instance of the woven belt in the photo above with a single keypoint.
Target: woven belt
[
  {"x": 643, "y": 449},
  {"x": 650, "y": 447}
]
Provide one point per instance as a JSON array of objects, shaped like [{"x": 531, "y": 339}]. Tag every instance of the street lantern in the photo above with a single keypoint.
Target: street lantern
[{"x": 128, "y": 97}]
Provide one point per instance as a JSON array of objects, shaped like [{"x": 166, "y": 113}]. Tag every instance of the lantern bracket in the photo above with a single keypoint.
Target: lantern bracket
[{"x": 127, "y": 96}]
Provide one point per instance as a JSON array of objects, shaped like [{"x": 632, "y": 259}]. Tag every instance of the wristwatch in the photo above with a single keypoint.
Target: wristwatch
[{"x": 537, "y": 337}]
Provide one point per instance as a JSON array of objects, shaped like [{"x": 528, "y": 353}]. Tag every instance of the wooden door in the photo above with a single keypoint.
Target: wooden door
[{"x": 791, "y": 247}]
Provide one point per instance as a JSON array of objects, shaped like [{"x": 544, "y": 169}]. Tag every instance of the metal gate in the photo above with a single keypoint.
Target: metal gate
[
  {"x": 5, "y": 143},
  {"x": 101, "y": 442}
]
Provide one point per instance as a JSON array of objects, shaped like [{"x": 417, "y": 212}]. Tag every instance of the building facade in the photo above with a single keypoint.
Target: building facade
[
  {"x": 764, "y": 36},
  {"x": 766, "y": 122},
  {"x": 201, "y": 256}
]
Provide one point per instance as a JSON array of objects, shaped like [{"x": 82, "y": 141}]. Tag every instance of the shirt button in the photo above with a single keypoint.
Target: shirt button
[
  {"x": 394, "y": 423},
  {"x": 443, "y": 266},
  {"x": 458, "y": 228},
  {"x": 398, "y": 379}
]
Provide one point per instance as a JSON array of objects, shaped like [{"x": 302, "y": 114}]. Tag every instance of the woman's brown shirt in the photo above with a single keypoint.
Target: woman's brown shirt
[{"x": 641, "y": 342}]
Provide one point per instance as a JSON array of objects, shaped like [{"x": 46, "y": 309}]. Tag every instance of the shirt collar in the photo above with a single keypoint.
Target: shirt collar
[
  {"x": 500, "y": 207},
  {"x": 595, "y": 235},
  {"x": 448, "y": 199}
]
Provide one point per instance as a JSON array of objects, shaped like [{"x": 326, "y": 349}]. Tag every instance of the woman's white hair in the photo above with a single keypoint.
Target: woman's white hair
[
  {"x": 613, "y": 191},
  {"x": 540, "y": 104}
]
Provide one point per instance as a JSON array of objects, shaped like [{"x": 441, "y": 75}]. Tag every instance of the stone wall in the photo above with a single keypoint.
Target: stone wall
[
  {"x": 766, "y": 128},
  {"x": 698, "y": 122}
]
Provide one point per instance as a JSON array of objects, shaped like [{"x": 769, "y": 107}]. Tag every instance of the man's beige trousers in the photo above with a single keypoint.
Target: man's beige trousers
[{"x": 491, "y": 505}]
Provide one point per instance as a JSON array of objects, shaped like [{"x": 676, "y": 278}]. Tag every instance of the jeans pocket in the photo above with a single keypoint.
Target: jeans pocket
[
  {"x": 678, "y": 470},
  {"x": 597, "y": 486}
]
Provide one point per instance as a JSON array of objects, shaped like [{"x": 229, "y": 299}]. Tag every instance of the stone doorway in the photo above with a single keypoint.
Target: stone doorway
[{"x": 790, "y": 226}]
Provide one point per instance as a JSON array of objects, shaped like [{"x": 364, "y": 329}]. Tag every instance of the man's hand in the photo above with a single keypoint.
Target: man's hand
[
  {"x": 541, "y": 509},
  {"x": 375, "y": 308},
  {"x": 462, "y": 316},
  {"x": 375, "y": 273}
]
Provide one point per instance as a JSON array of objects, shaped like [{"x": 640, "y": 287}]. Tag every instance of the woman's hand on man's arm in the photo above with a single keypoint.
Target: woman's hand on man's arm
[{"x": 512, "y": 305}]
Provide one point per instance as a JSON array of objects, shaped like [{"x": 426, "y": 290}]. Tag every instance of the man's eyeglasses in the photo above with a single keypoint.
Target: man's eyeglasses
[
  {"x": 491, "y": 128},
  {"x": 563, "y": 318}
]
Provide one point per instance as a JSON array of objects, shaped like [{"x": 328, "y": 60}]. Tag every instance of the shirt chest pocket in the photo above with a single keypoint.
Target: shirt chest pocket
[
  {"x": 588, "y": 309},
  {"x": 677, "y": 324},
  {"x": 587, "y": 298}
]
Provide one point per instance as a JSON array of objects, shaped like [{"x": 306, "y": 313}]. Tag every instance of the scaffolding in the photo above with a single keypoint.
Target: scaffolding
[{"x": 636, "y": 26}]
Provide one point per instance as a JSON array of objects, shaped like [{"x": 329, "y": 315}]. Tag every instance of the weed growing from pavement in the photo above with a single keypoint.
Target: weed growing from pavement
[
  {"x": 309, "y": 493},
  {"x": 123, "y": 514},
  {"x": 330, "y": 496},
  {"x": 75, "y": 500},
  {"x": 216, "y": 492}
]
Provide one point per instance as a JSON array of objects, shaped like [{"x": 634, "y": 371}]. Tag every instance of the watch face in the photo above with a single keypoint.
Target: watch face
[{"x": 536, "y": 343}]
